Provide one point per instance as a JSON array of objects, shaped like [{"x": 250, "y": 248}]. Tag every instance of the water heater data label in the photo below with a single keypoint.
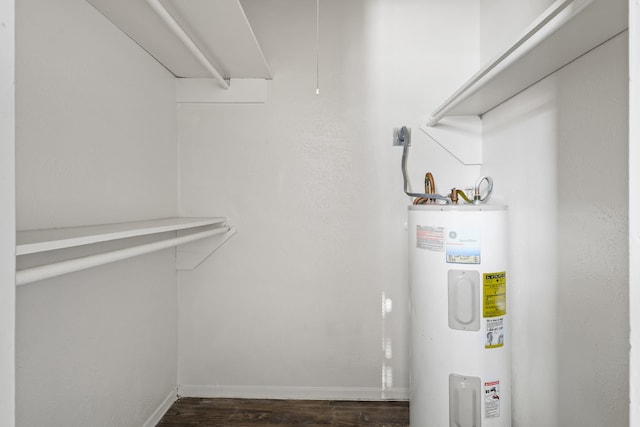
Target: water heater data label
[
  {"x": 494, "y": 294},
  {"x": 492, "y": 399},
  {"x": 463, "y": 245},
  {"x": 430, "y": 238}
]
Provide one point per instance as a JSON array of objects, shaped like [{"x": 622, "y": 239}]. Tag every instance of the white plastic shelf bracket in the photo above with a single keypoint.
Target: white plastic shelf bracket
[
  {"x": 460, "y": 136},
  {"x": 189, "y": 256}
]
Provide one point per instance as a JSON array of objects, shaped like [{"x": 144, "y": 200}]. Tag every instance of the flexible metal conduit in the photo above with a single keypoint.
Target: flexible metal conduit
[
  {"x": 402, "y": 136},
  {"x": 186, "y": 40},
  {"x": 33, "y": 274},
  {"x": 472, "y": 84}
]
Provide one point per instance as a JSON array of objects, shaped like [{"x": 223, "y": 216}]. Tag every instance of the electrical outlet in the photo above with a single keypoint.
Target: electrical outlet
[{"x": 398, "y": 139}]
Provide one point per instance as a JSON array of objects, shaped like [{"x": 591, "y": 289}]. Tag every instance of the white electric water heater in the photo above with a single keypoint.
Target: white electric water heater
[{"x": 460, "y": 343}]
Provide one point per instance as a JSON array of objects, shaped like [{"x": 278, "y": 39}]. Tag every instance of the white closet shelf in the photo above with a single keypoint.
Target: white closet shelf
[
  {"x": 564, "y": 32},
  {"x": 35, "y": 241},
  {"x": 196, "y": 239},
  {"x": 192, "y": 38}
]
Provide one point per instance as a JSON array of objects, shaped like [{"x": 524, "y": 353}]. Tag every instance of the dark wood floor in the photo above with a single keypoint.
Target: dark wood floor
[{"x": 199, "y": 412}]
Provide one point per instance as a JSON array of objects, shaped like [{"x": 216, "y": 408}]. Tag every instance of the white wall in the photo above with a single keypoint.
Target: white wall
[
  {"x": 95, "y": 143},
  {"x": 558, "y": 153},
  {"x": 96, "y": 121},
  {"x": 503, "y": 21},
  {"x": 291, "y": 306},
  {"x": 634, "y": 208},
  {"x": 7, "y": 214}
]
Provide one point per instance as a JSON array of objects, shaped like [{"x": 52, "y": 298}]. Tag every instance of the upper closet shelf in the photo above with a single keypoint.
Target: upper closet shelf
[
  {"x": 565, "y": 31},
  {"x": 191, "y": 38}
]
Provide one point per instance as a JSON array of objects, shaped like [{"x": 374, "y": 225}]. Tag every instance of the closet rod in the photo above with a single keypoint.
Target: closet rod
[
  {"x": 47, "y": 271},
  {"x": 186, "y": 40},
  {"x": 475, "y": 82}
]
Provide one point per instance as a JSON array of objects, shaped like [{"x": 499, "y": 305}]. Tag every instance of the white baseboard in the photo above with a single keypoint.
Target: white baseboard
[
  {"x": 299, "y": 393},
  {"x": 162, "y": 409}
]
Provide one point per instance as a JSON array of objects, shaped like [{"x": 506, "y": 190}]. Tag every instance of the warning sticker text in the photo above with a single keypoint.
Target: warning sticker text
[
  {"x": 494, "y": 294},
  {"x": 492, "y": 399},
  {"x": 430, "y": 238},
  {"x": 495, "y": 332}
]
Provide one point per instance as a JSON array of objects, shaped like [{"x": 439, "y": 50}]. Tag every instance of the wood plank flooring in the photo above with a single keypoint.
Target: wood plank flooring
[{"x": 200, "y": 412}]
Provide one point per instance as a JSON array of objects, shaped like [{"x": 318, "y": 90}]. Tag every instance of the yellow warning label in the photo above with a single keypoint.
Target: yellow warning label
[{"x": 495, "y": 294}]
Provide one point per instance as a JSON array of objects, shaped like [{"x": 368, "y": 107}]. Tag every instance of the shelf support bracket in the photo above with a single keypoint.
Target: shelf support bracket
[
  {"x": 189, "y": 256},
  {"x": 460, "y": 136}
]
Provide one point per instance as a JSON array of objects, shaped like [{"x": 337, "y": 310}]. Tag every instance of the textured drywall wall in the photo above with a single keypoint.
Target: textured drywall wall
[
  {"x": 7, "y": 215},
  {"x": 504, "y": 21},
  {"x": 634, "y": 208},
  {"x": 292, "y": 306},
  {"x": 95, "y": 143},
  {"x": 558, "y": 153},
  {"x": 95, "y": 125}
]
